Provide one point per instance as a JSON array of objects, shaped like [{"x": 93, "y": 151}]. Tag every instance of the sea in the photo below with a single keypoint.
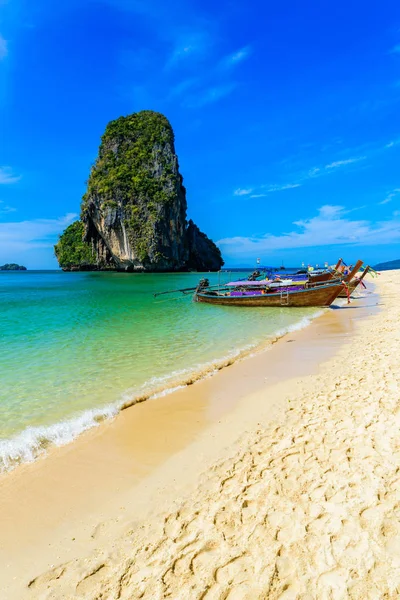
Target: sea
[{"x": 76, "y": 348}]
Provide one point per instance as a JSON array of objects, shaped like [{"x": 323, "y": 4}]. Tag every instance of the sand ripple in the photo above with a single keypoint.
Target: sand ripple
[{"x": 307, "y": 508}]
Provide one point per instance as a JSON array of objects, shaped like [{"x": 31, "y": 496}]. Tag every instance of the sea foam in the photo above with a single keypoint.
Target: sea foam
[{"x": 33, "y": 442}]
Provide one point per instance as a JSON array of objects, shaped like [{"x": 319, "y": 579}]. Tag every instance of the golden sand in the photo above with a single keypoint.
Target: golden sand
[{"x": 291, "y": 492}]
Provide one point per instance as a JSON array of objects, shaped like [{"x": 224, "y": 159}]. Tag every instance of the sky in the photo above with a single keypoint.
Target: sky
[{"x": 286, "y": 119}]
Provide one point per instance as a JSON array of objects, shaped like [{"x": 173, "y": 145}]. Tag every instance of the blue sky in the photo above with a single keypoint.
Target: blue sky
[{"x": 286, "y": 118}]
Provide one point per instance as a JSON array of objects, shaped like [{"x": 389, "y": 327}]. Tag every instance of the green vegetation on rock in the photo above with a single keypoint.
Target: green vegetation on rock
[
  {"x": 71, "y": 250},
  {"x": 133, "y": 214},
  {"x": 12, "y": 267},
  {"x": 131, "y": 150},
  {"x": 136, "y": 171}
]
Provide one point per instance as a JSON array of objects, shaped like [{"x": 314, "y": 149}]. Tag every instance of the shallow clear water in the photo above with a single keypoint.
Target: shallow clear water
[{"x": 76, "y": 346}]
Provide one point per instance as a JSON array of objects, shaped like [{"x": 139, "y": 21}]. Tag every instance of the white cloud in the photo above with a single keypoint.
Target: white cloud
[
  {"x": 7, "y": 176},
  {"x": 313, "y": 173},
  {"x": 329, "y": 211},
  {"x": 3, "y": 47},
  {"x": 210, "y": 82},
  {"x": 242, "y": 192},
  {"x": 393, "y": 143},
  {"x": 342, "y": 163},
  {"x": 390, "y": 196},
  {"x": 210, "y": 95},
  {"x": 323, "y": 170},
  {"x": 284, "y": 186},
  {"x": 5, "y": 209},
  {"x": 329, "y": 227},
  {"x": 264, "y": 190},
  {"x": 237, "y": 57},
  {"x": 183, "y": 86},
  {"x": 184, "y": 51},
  {"x": 23, "y": 236},
  {"x": 189, "y": 46},
  {"x": 396, "y": 49}
]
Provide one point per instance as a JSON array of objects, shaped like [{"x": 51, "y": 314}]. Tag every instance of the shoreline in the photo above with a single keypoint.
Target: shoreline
[
  {"x": 169, "y": 428},
  {"x": 35, "y": 442}
]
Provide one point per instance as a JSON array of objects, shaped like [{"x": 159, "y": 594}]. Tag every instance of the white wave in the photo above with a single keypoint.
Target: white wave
[
  {"x": 163, "y": 385},
  {"x": 33, "y": 441},
  {"x": 304, "y": 322},
  {"x": 166, "y": 392}
]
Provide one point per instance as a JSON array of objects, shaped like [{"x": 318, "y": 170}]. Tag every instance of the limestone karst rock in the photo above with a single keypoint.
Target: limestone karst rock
[{"x": 133, "y": 213}]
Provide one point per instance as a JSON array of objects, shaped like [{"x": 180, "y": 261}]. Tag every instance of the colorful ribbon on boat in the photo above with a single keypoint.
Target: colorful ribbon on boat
[
  {"x": 373, "y": 272},
  {"x": 347, "y": 292}
]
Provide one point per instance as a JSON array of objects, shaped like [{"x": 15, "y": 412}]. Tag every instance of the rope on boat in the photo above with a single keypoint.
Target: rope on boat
[
  {"x": 347, "y": 291},
  {"x": 373, "y": 272}
]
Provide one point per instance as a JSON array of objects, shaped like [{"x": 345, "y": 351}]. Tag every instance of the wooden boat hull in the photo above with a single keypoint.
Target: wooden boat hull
[
  {"x": 321, "y": 277},
  {"x": 316, "y": 296},
  {"x": 326, "y": 275},
  {"x": 353, "y": 284},
  {"x": 351, "y": 287}
]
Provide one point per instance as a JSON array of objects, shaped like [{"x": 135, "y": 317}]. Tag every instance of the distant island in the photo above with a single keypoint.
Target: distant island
[
  {"x": 12, "y": 267},
  {"x": 388, "y": 266},
  {"x": 133, "y": 214}
]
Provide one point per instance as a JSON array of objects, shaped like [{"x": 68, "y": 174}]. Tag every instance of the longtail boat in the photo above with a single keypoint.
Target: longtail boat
[
  {"x": 328, "y": 274},
  {"x": 292, "y": 281},
  {"x": 354, "y": 283},
  {"x": 321, "y": 295},
  {"x": 305, "y": 275},
  {"x": 338, "y": 272},
  {"x": 278, "y": 292}
]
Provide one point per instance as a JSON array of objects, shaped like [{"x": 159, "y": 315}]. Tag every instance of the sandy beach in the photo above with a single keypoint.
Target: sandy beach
[{"x": 277, "y": 478}]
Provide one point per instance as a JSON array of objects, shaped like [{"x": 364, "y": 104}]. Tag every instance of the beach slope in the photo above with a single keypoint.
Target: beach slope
[{"x": 301, "y": 506}]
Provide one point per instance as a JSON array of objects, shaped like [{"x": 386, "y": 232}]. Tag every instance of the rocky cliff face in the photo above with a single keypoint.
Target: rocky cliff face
[
  {"x": 134, "y": 210},
  {"x": 204, "y": 255}
]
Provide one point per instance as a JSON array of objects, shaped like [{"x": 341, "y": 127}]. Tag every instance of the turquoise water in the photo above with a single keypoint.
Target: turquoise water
[{"x": 75, "y": 347}]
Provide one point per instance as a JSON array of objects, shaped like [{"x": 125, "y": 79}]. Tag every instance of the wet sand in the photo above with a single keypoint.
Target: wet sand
[{"x": 141, "y": 507}]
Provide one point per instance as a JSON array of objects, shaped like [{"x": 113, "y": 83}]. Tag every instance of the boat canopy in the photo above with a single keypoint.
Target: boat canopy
[
  {"x": 246, "y": 283},
  {"x": 260, "y": 283}
]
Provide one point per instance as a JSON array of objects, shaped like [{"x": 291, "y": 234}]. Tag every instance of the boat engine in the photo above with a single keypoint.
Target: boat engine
[
  {"x": 254, "y": 276},
  {"x": 203, "y": 284}
]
